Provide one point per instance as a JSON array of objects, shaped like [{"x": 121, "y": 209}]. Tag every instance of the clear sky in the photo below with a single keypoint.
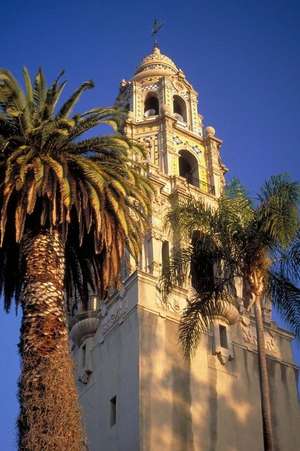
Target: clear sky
[{"x": 241, "y": 56}]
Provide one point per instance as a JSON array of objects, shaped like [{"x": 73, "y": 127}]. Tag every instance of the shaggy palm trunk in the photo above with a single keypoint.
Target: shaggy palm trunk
[
  {"x": 264, "y": 380},
  {"x": 49, "y": 410}
]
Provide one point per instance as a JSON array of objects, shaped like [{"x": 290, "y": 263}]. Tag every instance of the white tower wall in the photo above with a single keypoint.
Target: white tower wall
[{"x": 137, "y": 390}]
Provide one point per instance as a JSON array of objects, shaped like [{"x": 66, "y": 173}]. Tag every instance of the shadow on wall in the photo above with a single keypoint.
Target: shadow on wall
[
  {"x": 198, "y": 404},
  {"x": 183, "y": 405}
]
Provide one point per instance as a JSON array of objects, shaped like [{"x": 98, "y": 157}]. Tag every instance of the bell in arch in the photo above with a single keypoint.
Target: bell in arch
[{"x": 151, "y": 105}]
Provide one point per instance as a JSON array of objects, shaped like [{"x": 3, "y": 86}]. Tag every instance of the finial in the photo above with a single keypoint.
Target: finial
[{"x": 155, "y": 29}]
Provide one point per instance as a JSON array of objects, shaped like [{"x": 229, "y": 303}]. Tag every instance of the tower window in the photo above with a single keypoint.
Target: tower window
[
  {"x": 151, "y": 105},
  {"x": 165, "y": 256},
  {"x": 188, "y": 167},
  {"x": 223, "y": 336},
  {"x": 222, "y": 343},
  {"x": 179, "y": 108},
  {"x": 113, "y": 411}
]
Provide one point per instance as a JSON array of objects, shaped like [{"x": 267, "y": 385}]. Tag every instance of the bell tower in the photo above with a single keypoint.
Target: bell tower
[
  {"x": 137, "y": 390},
  {"x": 163, "y": 115}
]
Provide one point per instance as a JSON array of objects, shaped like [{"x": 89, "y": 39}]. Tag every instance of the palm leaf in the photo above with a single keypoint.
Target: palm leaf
[
  {"x": 39, "y": 93},
  {"x": 278, "y": 214},
  {"x": 70, "y": 104},
  {"x": 93, "y": 192},
  {"x": 29, "y": 88},
  {"x": 286, "y": 297}
]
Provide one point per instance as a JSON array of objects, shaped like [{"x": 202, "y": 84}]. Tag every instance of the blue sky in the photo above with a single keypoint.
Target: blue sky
[{"x": 242, "y": 57}]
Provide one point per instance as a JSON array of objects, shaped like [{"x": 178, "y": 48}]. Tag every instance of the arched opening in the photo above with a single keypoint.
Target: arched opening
[
  {"x": 188, "y": 167},
  {"x": 179, "y": 108},
  {"x": 151, "y": 107}
]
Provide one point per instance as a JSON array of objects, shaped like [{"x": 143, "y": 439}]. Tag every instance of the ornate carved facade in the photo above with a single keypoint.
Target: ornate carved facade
[
  {"x": 132, "y": 363},
  {"x": 163, "y": 115}
]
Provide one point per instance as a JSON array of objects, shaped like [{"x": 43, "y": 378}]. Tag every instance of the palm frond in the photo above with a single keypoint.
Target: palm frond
[
  {"x": 94, "y": 192},
  {"x": 29, "y": 88},
  {"x": 278, "y": 212},
  {"x": 39, "y": 93},
  {"x": 52, "y": 97},
  {"x": 199, "y": 315},
  {"x": 70, "y": 104},
  {"x": 12, "y": 99},
  {"x": 177, "y": 270},
  {"x": 286, "y": 297},
  {"x": 288, "y": 260},
  {"x": 195, "y": 320},
  {"x": 235, "y": 239}
]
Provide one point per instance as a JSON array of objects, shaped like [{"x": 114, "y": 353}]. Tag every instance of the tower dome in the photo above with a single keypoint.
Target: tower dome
[{"x": 156, "y": 64}]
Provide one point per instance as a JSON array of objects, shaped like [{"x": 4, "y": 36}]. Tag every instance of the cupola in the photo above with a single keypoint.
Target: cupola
[{"x": 155, "y": 64}]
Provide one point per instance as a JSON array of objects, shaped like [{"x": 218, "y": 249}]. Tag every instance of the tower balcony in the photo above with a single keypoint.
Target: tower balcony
[
  {"x": 86, "y": 322},
  {"x": 182, "y": 186},
  {"x": 227, "y": 311}
]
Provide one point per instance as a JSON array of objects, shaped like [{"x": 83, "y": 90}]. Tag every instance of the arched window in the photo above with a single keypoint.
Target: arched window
[
  {"x": 151, "y": 107},
  {"x": 179, "y": 108},
  {"x": 223, "y": 336},
  {"x": 188, "y": 167}
]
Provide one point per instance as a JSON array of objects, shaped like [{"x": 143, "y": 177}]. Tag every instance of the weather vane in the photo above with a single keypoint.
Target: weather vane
[{"x": 155, "y": 29}]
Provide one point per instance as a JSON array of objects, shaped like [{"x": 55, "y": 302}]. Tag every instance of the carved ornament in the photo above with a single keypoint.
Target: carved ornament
[
  {"x": 171, "y": 304},
  {"x": 249, "y": 336},
  {"x": 113, "y": 315},
  {"x": 187, "y": 145}
]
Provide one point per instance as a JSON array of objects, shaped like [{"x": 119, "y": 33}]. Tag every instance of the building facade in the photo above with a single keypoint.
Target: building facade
[{"x": 137, "y": 390}]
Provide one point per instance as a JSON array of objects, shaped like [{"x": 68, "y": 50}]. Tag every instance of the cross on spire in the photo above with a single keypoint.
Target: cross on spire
[{"x": 157, "y": 25}]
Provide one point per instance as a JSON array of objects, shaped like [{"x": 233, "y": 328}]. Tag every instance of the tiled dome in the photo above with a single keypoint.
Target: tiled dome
[{"x": 156, "y": 63}]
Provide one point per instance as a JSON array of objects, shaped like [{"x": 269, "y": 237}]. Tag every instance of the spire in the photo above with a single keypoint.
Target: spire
[{"x": 155, "y": 29}]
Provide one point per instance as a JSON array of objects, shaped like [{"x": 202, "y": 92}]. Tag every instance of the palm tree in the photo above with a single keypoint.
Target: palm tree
[
  {"x": 239, "y": 239},
  {"x": 68, "y": 208}
]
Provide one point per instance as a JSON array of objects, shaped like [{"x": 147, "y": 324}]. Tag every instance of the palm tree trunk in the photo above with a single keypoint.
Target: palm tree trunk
[
  {"x": 264, "y": 379},
  {"x": 50, "y": 417}
]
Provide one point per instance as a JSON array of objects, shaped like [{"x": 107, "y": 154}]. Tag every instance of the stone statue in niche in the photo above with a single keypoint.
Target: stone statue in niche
[{"x": 150, "y": 144}]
